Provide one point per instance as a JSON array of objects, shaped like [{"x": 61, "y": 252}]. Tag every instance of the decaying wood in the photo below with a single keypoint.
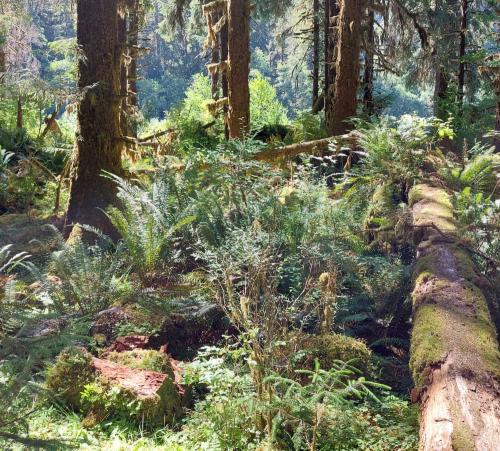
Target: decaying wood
[{"x": 454, "y": 353}]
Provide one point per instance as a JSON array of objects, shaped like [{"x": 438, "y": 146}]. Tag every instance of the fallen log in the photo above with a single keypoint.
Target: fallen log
[
  {"x": 455, "y": 359},
  {"x": 316, "y": 147}
]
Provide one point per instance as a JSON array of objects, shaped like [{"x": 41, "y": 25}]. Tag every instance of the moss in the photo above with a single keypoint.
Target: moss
[
  {"x": 330, "y": 347},
  {"x": 144, "y": 359},
  {"x": 439, "y": 330},
  {"x": 382, "y": 213},
  {"x": 462, "y": 438},
  {"x": 427, "y": 345},
  {"x": 101, "y": 400},
  {"x": 434, "y": 207},
  {"x": 69, "y": 375}
]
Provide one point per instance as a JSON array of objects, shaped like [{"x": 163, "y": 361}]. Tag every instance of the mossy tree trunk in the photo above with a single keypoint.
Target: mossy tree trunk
[
  {"x": 344, "y": 102},
  {"x": 122, "y": 42},
  {"x": 455, "y": 358},
  {"x": 331, "y": 36},
  {"x": 132, "y": 77},
  {"x": 316, "y": 52},
  {"x": 239, "y": 68},
  {"x": 464, "y": 16},
  {"x": 98, "y": 143},
  {"x": 368, "y": 101}
]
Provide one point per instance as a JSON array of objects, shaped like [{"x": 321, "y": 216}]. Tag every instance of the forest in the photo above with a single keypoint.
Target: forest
[{"x": 260, "y": 225}]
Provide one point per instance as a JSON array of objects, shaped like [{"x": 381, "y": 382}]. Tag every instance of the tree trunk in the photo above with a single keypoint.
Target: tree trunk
[
  {"x": 98, "y": 143},
  {"x": 346, "y": 82},
  {"x": 464, "y": 10},
  {"x": 224, "y": 81},
  {"x": 331, "y": 38},
  {"x": 20, "y": 114},
  {"x": 440, "y": 88},
  {"x": 122, "y": 42},
  {"x": 455, "y": 359},
  {"x": 368, "y": 104},
  {"x": 315, "y": 72},
  {"x": 133, "y": 41},
  {"x": 496, "y": 138},
  {"x": 239, "y": 68}
]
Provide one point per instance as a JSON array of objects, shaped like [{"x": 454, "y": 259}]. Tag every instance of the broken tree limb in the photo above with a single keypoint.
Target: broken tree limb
[{"x": 455, "y": 358}]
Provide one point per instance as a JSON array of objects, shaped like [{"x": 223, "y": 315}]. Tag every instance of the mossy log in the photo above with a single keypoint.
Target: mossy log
[
  {"x": 309, "y": 147},
  {"x": 455, "y": 359}
]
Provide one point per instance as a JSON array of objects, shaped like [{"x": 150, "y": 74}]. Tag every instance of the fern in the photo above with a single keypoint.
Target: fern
[{"x": 146, "y": 223}]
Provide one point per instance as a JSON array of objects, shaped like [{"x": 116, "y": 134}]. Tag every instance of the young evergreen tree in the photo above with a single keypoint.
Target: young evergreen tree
[{"x": 98, "y": 144}]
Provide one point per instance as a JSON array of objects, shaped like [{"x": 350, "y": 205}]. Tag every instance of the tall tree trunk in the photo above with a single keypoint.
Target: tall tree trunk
[
  {"x": 98, "y": 144},
  {"x": 20, "y": 113},
  {"x": 215, "y": 59},
  {"x": 440, "y": 89},
  {"x": 225, "y": 88},
  {"x": 133, "y": 42},
  {"x": 368, "y": 102},
  {"x": 496, "y": 138},
  {"x": 122, "y": 42},
  {"x": 316, "y": 51},
  {"x": 345, "y": 102},
  {"x": 331, "y": 40},
  {"x": 455, "y": 358},
  {"x": 239, "y": 67},
  {"x": 464, "y": 11}
]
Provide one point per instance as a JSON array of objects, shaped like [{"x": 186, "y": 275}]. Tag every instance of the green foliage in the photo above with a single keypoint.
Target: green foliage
[
  {"x": 89, "y": 278},
  {"x": 145, "y": 359},
  {"x": 307, "y": 126},
  {"x": 479, "y": 174},
  {"x": 396, "y": 151},
  {"x": 147, "y": 223},
  {"x": 265, "y": 108}
]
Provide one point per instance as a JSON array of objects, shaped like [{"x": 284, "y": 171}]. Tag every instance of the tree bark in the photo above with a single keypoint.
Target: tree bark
[
  {"x": 331, "y": 37},
  {"x": 345, "y": 103},
  {"x": 368, "y": 103},
  {"x": 455, "y": 359},
  {"x": 20, "y": 114},
  {"x": 239, "y": 68},
  {"x": 133, "y": 41},
  {"x": 464, "y": 11},
  {"x": 440, "y": 88},
  {"x": 316, "y": 51},
  {"x": 224, "y": 81},
  {"x": 496, "y": 138},
  {"x": 122, "y": 42},
  {"x": 98, "y": 143}
]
